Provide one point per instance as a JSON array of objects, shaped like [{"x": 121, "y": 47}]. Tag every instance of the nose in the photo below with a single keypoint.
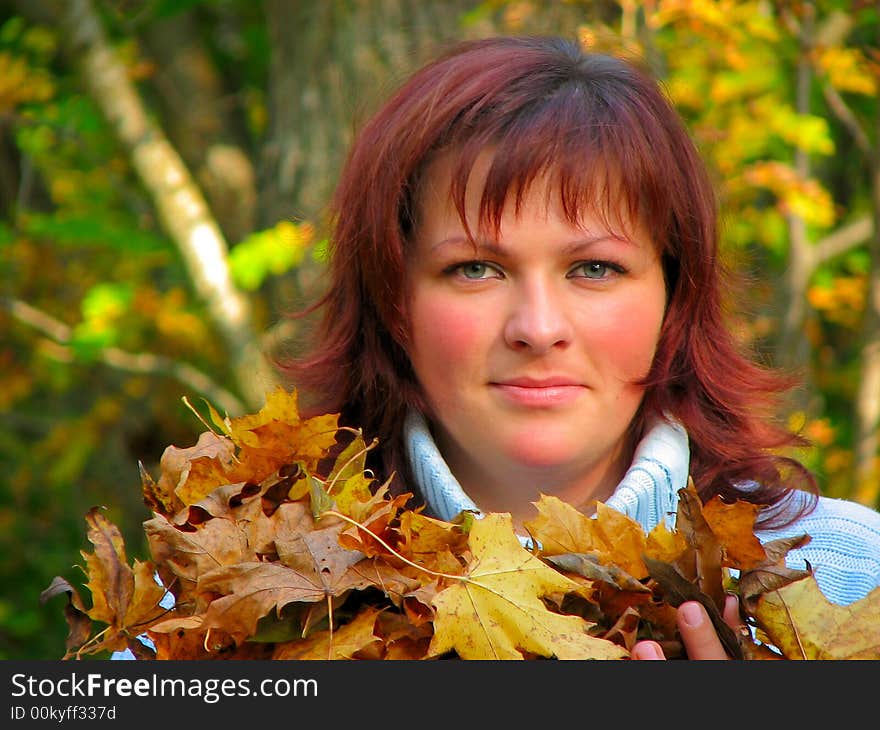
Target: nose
[{"x": 538, "y": 320}]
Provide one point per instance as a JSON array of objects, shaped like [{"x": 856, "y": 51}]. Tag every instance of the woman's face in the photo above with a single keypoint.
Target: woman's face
[{"x": 528, "y": 348}]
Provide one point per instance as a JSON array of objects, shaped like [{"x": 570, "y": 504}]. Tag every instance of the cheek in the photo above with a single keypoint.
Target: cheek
[
  {"x": 628, "y": 335},
  {"x": 446, "y": 336}
]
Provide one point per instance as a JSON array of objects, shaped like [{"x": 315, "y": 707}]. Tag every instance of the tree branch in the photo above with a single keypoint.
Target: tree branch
[
  {"x": 143, "y": 363},
  {"x": 842, "y": 240},
  {"x": 847, "y": 118}
]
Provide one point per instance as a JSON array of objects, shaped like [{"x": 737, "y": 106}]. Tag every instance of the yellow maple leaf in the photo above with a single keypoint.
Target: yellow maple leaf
[
  {"x": 495, "y": 610},
  {"x": 803, "y": 624},
  {"x": 426, "y": 537},
  {"x": 665, "y": 544}
]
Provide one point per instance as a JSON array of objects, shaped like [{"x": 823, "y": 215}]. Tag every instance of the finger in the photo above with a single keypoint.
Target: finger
[
  {"x": 731, "y": 612},
  {"x": 697, "y": 633},
  {"x": 646, "y": 650}
]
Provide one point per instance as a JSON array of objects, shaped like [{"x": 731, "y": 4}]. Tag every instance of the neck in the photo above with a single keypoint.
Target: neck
[{"x": 514, "y": 487}]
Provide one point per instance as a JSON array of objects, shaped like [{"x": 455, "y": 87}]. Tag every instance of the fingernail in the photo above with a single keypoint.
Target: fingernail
[
  {"x": 692, "y": 613},
  {"x": 650, "y": 651}
]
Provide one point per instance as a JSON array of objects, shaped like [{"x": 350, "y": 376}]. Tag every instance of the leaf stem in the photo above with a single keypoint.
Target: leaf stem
[
  {"x": 797, "y": 634},
  {"x": 359, "y": 453},
  {"x": 436, "y": 574}
]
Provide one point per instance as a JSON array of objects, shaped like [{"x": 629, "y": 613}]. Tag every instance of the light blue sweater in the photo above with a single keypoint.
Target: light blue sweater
[{"x": 844, "y": 549}]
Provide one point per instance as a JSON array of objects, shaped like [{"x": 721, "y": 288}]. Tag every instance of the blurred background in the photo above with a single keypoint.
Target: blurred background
[{"x": 164, "y": 166}]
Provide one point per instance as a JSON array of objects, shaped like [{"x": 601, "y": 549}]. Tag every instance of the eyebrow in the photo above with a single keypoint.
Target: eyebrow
[{"x": 570, "y": 248}]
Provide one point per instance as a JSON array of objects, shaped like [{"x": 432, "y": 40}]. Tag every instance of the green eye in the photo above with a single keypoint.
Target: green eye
[
  {"x": 594, "y": 270},
  {"x": 474, "y": 270}
]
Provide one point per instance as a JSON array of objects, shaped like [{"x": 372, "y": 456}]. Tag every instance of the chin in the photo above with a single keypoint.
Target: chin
[{"x": 544, "y": 451}]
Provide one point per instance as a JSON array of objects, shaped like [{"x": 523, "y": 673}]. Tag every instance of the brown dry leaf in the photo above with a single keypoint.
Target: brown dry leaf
[
  {"x": 309, "y": 549},
  {"x": 677, "y": 589},
  {"x": 78, "y": 622},
  {"x": 249, "y": 591},
  {"x": 734, "y": 525},
  {"x": 697, "y": 572},
  {"x": 184, "y": 553},
  {"x": 803, "y": 624},
  {"x": 123, "y": 597},
  {"x": 186, "y": 641},
  {"x": 398, "y": 585},
  {"x": 611, "y": 535},
  {"x": 357, "y": 637},
  {"x": 438, "y": 546},
  {"x": 311, "y": 567},
  {"x": 403, "y": 639},
  {"x": 252, "y": 448},
  {"x": 588, "y": 566},
  {"x": 374, "y": 519},
  {"x": 224, "y": 502},
  {"x": 213, "y": 455},
  {"x": 702, "y": 562},
  {"x": 772, "y": 573},
  {"x": 495, "y": 611},
  {"x": 626, "y": 629}
]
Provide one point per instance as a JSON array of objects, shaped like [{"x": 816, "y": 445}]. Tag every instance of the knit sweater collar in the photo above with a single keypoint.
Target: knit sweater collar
[{"x": 648, "y": 492}]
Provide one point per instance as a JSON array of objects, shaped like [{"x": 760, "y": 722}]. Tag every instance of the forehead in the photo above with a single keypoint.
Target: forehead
[{"x": 476, "y": 192}]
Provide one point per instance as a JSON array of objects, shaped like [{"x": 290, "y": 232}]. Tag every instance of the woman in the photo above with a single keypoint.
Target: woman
[{"x": 525, "y": 297}]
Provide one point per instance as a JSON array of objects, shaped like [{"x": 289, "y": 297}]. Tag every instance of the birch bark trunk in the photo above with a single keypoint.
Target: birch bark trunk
[{"x": 178, "y": 200}]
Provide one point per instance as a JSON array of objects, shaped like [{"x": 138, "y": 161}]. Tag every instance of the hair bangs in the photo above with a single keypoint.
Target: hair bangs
[{"x": 599, "y": 160}]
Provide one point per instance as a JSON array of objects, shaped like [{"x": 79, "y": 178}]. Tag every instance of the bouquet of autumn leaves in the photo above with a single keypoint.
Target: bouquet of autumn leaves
[{"x": 270, "y": 540}]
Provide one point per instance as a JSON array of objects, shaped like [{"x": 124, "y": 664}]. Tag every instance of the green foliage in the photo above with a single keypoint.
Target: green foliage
[
  {"x": 79, "y": 230},
  {"x": 272, "y": 252}
]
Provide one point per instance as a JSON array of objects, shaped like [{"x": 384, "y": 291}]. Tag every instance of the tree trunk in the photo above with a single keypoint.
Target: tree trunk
[
  {"x": 331, "y": 63},
  {"x": 199, "y": 116},
  {"x": 867, "y": 471},
  {"x": 795, "y": 348},
  {"x": 180, "y": 204}
]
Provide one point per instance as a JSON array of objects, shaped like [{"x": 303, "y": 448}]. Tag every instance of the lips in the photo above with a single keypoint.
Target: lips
[
  {"x": 546, "y": 382},
  {"x": 548, "y": 392}
]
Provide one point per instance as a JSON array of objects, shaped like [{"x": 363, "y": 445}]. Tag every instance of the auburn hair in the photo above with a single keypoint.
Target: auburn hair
[{"x": 600, "y": 126}]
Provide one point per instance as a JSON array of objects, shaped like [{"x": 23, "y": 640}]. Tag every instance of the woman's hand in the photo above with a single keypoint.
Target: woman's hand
[{"x": 697, "y": 633}]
